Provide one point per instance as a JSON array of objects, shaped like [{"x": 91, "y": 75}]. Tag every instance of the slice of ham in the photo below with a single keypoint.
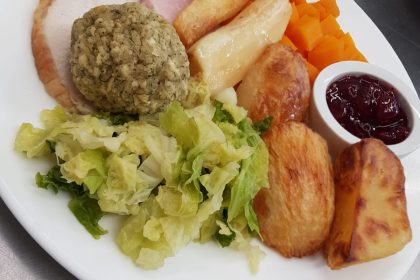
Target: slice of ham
[
  {"x": 51, "y": 34},
  {"x": 169, "y": 9}
]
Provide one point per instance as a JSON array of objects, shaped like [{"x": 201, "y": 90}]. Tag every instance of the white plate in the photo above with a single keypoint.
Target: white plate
[{"x": 47, "y": 218}]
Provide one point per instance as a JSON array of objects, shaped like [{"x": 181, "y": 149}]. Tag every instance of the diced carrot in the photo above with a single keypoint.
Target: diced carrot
[
  {"x": 305, "y": 33},
  {"x": 352, "y": 53},
  {"x": 348, "y": 40},
  {"x": 361, "y": 57},
  {"x": 312, "y": 71},
  {"x": 303, "y": 53},
  {"x": 350, "y": 50},
  {"x": 295, "y": 14},
  {"x": 322, "y": 11},
  {"x": 286, "y": 41},
  {"x": 297, "y": 2},
  {"x": 330, "y": 26},
  {"x": 307, "y": 9},
  {"x": 340, "y": 34},
  {"x": 328, "y": 51},
  {"x": 331, "y": 7}
]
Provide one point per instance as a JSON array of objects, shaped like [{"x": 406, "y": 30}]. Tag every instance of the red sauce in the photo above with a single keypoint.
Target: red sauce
[{"x": 368, "y": 107}]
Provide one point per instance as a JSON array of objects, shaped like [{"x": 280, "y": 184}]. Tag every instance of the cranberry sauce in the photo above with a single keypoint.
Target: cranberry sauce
[{"x": 368, "y": 107}]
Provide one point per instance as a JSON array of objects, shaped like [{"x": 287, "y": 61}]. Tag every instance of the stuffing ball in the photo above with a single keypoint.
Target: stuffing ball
[{"x": 126, "y": 58}]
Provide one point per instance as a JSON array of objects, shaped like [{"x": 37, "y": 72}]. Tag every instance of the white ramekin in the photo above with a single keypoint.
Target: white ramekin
[{"x": 322, "y": 120}]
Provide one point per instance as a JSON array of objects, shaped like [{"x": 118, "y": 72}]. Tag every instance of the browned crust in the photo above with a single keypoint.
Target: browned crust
[
  {"x": 44, "y": 61},
  {"x": 295, "y": 213},
  {"x": 371, "y": 218},
  {"x": 277, "y": 85}
]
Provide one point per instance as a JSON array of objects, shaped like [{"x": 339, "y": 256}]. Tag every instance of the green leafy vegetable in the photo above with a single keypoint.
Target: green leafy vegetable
[
  {"x": 225, "y": 235},
  {"x": 263, "y": 125},
  {"x": 221, "y": 115},
  {"x": 117, "y": 118},
  {"x": 225, "y": 240},
  {"x": 88, "y": 213},
  {"x": 51, "y": 145},
  {"x": 55, "y": 182},
  {"x": 177, "y": 123},
  {"x": 85, "y": 209},
  {"x": 190, "y": 175},
  {"x": 237, "y": 113},
  {"x": 252, "y": 177},
  {"x": 87, "y": 168},
  {"x": 251, "y": 217}
]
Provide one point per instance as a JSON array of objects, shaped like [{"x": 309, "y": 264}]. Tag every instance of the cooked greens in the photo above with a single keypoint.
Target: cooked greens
[
  {"x": 192, "y": 177},
  {"x": 84, "y": 208}
]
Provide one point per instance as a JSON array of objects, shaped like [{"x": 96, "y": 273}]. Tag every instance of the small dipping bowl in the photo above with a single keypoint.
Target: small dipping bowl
[{"x": 322, "y": 120}]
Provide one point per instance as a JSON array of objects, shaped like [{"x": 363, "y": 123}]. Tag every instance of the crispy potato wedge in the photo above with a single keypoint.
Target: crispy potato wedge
[
  {"x": 296, "y": 211},
  {"x": 371, "y": 219},
  {"x": 202, "y": 16},
  {"x": 277, "y": 85}
]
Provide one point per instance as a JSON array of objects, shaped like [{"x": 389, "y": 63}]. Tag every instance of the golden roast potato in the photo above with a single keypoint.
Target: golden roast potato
[
  {"x": 371, "y": 219},
  {"x": 277, "y": 85},
  {"x": 296, "y": 211}
]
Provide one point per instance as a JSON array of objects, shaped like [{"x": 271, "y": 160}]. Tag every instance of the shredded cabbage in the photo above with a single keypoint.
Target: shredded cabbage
[{"x": 190, "y": 178}]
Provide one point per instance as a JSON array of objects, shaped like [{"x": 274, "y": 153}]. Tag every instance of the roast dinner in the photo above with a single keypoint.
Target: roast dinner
[{"x": 190, "y": 119}]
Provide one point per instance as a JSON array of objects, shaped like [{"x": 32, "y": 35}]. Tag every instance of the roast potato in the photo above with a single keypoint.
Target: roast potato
[
  {"x": 296, "y": 211},
  {"x": 277, "y": 85},
  {"x": 371, "y": 219},
  {"x": 202, "y": 16},
  {"x": 224, "y": 56}
]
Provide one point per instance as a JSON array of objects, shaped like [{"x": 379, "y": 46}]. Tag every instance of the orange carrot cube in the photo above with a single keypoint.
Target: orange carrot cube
[
  {"x": 331, "y": 7},
  {"x": 305, "y": 33},
  {"x": 328, "y": 51},
  {"x": 286, "y": 41},
  {"x": 297, "y": 2},
  {"x": 307, "y": 9},
  {"x": 295, "y": 14},
  {"x": 330, "y": 26},
  {"x": 322, "y": 11},
  {"x": 312, "y": 71}
]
